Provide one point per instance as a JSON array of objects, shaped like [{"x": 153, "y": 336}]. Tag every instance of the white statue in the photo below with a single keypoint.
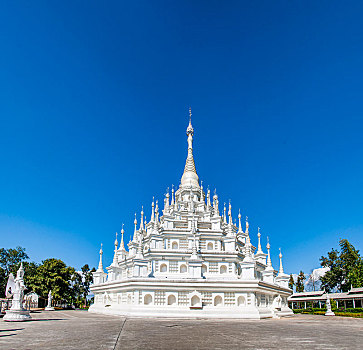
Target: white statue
[
  {"x": 17, "y": 311},
  {"x": 329, "y": 312},
  {"x": 49, "y": 306}
]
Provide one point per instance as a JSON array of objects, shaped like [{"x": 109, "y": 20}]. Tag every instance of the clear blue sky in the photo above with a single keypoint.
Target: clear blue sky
[{"x": 93, "y": 112}]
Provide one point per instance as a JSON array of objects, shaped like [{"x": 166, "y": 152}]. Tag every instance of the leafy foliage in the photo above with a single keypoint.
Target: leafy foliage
[
  {"x": 11, "y": 257},
  {"x": 300, "y": 282},
  {"x": 9, "y": 261},
  {"x": 346, "y": 268},
  {"x": 55, "y": 275},
  {"x": 291, "y": 282},
  {"x": 52, "y": 274}
]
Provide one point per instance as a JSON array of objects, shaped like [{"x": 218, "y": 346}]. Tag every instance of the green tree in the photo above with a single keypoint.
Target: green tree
[
  {"x": 55, "y": 275},
  {"x": 2, "y": 282},
  {"x": 291, "y": 282},
  {"x": 87, "y": 279},
  {"x": 345, "y": 268},
  {"x": 9, "y": 260},
  {"x": 75, "y": 297},
  {"x": 300, "y": 282}
]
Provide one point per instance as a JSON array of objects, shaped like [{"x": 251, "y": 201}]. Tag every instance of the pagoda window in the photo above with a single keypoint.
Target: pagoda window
[
  {"x": 210, "y": 246},
  {"x": 174, "y": 245},
  {"x": 183, "y": 268},
  {"x": 163, "y": 268},
  {"x": 223, "y": 269}
]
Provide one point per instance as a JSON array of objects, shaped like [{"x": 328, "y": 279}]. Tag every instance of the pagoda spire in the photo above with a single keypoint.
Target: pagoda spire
[
  {"x": 259, "y": 249},
  {"x": 122, "y": 244},
  {"x": 115, "y": 252},
  {"x": 152, "y": 211},
  {"x": 139, "y": 253},
  {"x": 248, "y": 250},
  {"x": 190, "y": 177},
  {"x": 166, "y": 201},
  {"x": 100, "y": 265},
  {"x": 215, "y": 204},
  {"x": 142, "y": 218},
  {"x": 172, "y": 196},
  {"x": 135, "y": 230},
  {"x": 201, "y": 192},
  {"x": 208, "y": 199},
  {"x": 156, "y": 222},
  {"x": 230, "y": 223},
  {"x": 247, "y": 225},
  {"x": 269, "y": 263},
  {"x": 239, "y": 222},
  {"x": 224, "y": 213},
  {"x": 281, "y": 270}
]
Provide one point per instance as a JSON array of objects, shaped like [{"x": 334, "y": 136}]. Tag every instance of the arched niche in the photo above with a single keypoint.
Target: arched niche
[
  {"x": 204, "y": 268},
  {"x": 210, "y": 246},
  {"x": 195, "y": 300},
  {"x": 174, "y": 245},
  {"x": 148, "y": 299},
  {"x": 183, "y": 268},
  {"x": 218, "y": 301},
  {"x": 223, "y": 269},
  {"x": 241, "y": 301},
  {"x": 171, "y": 299},
  {"x": 163, "y": 268}
]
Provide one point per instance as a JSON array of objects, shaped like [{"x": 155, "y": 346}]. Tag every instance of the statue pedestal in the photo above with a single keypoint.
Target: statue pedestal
[
  {"x": 49, "y": 308},
  {"x": 329, "y": 313},
  {"x": 17, "y": 315}
]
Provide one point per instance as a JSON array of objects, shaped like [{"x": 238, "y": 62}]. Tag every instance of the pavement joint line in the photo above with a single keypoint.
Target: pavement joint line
[{"x": 118, "y": 337}]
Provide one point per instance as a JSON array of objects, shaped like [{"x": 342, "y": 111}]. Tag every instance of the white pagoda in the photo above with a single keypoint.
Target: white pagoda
[{"x": 191, "y": 261}]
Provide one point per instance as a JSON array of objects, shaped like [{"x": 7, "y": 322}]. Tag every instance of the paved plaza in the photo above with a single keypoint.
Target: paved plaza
[{"x": 82, "y": 330}]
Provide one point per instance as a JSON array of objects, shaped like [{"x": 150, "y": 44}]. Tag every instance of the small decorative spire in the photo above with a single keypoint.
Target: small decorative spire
[
  {"x": 224, "y": 213},
  {"x": 152, "y": 210},
  {"x": 259, "y": 249},
  {"x": 208, "y": 199},
  {"x": 100, "y": 265},
  {"x": 215, "y": 204},
  {"x": 201, "y": 192},
  {"x": 116, "y": 242},
  {"x": 122, "y": 244},
  {"x": 172, "y": 195},
  {"x": 139, "y": 253},
  {"x": 247, "y": 225},
  {"x": 166, "y": 201},
  {"x": 239, "y": 222},
  {"x": 156, "y": 219},
  {"x": 115, "y": 252},
  {"x": 281, "y": 271},
  {"x": 135, "y": 223},
  {"x": 269, "y": 263},
  {"x": 230, "y": 222},
  {"x": 191, "y": 201},
  {"x": 248, "y": 250},
  {"x": 142, "y": 218}
]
